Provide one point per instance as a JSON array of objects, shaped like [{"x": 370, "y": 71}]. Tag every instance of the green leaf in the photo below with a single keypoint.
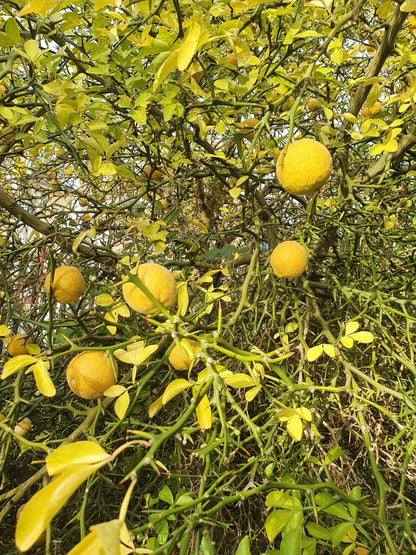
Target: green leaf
[
  {"x": 38, "y": 7},
  {"x": 91, "y": 233},
  {"x": 341, "y": 533},
  {"x": 174, "y": 388},
  {"x": 363, "y": 336},
  {"x": 166, "y": 495},
  {"x": 12, "y": 30},
  {"x": 276, "y": 522},
  {"x": 121, "y": 405},
  {"x": 17, "y": 363},
  {"x": 66, "y": 457},
  {"x": 314, "y": 352},
  {"x": 317, "y": 531},
  {"x": 203, "y": 413},
  {"x": 329, "y": 505},
  {"x": 42, "y": 378},
  {"x": 282, "y": 500},
  {"x": 168, "y": 65},
  {"x": 244, "y": 547},
  {"x": 46, "y": 503}
]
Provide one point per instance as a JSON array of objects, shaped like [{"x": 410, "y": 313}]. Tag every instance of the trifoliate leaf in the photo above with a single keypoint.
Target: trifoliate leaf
[
  {"x": 351, "y": 327},
  {"x": 363, "y": 337},
  {"x": 42, "y": 378},
  {"x": 65, "y": 457},
  {"x": 314, "y": 352},
  {"x": 203, "y": 413},
  {"x": 17, "y": 363},
  {"x": 121, "y": 405},
  {"x": 174, "y": 388}
]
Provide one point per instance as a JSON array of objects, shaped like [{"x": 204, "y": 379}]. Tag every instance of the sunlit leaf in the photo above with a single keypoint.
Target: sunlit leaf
[
  {"x": 38, "y": 7},
  {"x": 109, "y": 535},
  {"x": 314, "y": 352},
  {"x": 252, "y": 393},
  {"x": 42, "y": 378},
  {"x": 342, "y": 532},
  {"x": 104, "y": 299},
  {"x": 203, "y": 413},
  {"x": 239, "y": 380},
  {"x": 174, "y": 388},
  {"x": 65, "y": 457},
  {"x": 304, "y": 413},
  {"x": 155, "y": 406},
  {"x": 276, "y": 522},
  {"x": 329, "y": 505},
  {"x": 329, "y": 349},
  {"x": 121, "y": 405},
  {"x": 244, "y": 547},
  {"x": 46, "y": 503},
  {"x": 17, "y": 363},
  {"x": 363, "y": 337},
  {"x": 295, "y": 427},
  {"x": 347, "y": 341},
  {"x": 282, "y": 500},
  {"x": 183, "y": 298},
  {"x": 4, "y": 331},
  {"x": 90, "y": 545},
  {"x": 408, "y": 6},
  {"x": 351, "y": 327}
]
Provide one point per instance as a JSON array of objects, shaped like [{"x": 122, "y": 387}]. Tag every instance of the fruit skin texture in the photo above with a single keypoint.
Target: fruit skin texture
[
  {"x": 158, "y": 280},
  {"x": 306, "y": 166},
  {"x": 17, "y": 345},
  {"x": 178, "y": 357},
  {"x": 289, "y": 259},
  {"x": 248, "y": 124},
  {"x": 90, "y": 373},
  {"x": 68, "y": 284}
]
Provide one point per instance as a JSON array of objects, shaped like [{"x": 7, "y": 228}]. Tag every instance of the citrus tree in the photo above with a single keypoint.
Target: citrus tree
[{"x": 220, "y": 197}]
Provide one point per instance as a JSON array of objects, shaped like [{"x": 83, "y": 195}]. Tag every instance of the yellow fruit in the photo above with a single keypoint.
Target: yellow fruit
[
  {"x": 375, "y": 108},
  {"x": 313, "y": 104},
  {"x": 287, "y": 105},
  {"x": 246, "y": 125},
  {"x": 17, "y": 345},
  {"x": 155, "y": 175},
  {"x": 305, "y": 167},
  {"x": 160, "y": 283},
  {"x": 365, "y": 112},
  {"x": 68, "y": 284},
  {"x": 289, "y": 259},
  {"x": 90, "y": 373},
  {"x": 178, "y": 356}
]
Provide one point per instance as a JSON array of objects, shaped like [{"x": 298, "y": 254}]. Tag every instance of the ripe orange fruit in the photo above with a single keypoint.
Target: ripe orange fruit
[
  {"x": 68, "y": 284},
  {"x": 17, "y": 345},
  {"x": 90, "y": 373},
  {"x": 179, "y": 357},
  {"x": 155, "y": 175},
  {"x": 305, "y": 167},
  {"x": 289, "y": 259},
  {"x": 160, "y": 283},
  {"x": 246, "y": 125}
]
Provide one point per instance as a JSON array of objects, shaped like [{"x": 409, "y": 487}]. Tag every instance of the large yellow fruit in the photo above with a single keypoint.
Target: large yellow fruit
[
  {"x": 17, "y": 345},
  {"x": 289, "y": 259},
  {"x": 305, "y": 167},
  {"x": 178, "y": 357},
  {"x": 160, "y": 283},
  {"x": 90, "y": 373},
  {"x": 68, "y": 284}
]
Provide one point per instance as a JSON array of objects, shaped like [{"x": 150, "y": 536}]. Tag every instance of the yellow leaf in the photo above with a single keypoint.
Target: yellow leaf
[
  {"x": 42, "y": 378},
  {"x": 104, "y": 299},
  {"x": 189, "y": 45},
  {"x": 109, "y": 536},
  {"x": 4, "y": 331},
  {"x": 121, "y": 405},
  {"x": 136, "y": 353},
  {"x": 408, "y": 6},
  {"x": 155, "y": 406},
  {"x": 90, "y": 545},
  {"x": 183, "y": 298},
  {"x": 66, "y": 457},
  {"x": 168, "y": 65},
  {"x": 351, "y": 327},
  {"x": 17, "y": 363},
  {"x": 203, "y": 413},
  {"x": 295, "y": 427},
  {"x": 114, "y": 391},
  {"x": 235, "y": 192},
  {"x": 314, "y": 352},
  {"x": 363, "y": 337},
  {"x": 304, "y": 413},
  {"x": 389, "y": 222},
  {"x": 239, "y": 380},
  {"x": 347, "y": 341},
  {"x": 174, "y": 388},
  {"x": 252, "y": 393},
  {"x": 329, "y": 349},
  {"x": 285, "y": 414},
  {"x": 46, "y": 503},
  {"x": 38, "y": 7}
]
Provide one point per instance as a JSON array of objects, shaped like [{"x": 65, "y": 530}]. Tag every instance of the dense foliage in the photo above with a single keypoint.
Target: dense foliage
[{"x": 122, "y": 139}]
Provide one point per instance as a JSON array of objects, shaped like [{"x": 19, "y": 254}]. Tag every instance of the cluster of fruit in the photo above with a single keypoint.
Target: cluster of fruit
[{"x": 302, "y": 169}]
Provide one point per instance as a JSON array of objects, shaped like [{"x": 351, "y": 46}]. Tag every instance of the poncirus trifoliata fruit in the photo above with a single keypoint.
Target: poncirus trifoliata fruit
[
  {"x": 68, "y": 284},
  {"x": 17, "y": 345},
  {"x": 305, "y": 167},
  {"x": 160, "y": 283},
  {"x": 179, "y": 358},
  {"x": 90, "y": 373},
  {"x": 289, "y": 259}
]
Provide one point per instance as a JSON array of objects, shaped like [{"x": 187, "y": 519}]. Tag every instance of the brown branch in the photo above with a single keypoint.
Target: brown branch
[{"x": 8, "y": 203}]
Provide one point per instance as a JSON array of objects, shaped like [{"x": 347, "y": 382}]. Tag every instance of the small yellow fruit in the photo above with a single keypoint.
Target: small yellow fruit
[
  {"x": 17, "y": 345},
  {"x": 68, "y": 284},
  {"x": 313, "y": 104},
  {"x": 160, "y": 283},
  {"x": 289, "y": 259},
  {"x": 155, "y": 175},
  {"x": 306, "y": 166},
  {"x": 90, "y": 373},
  {"x": 246, "y": 125},
  {"x": 375, "y": 108},
  {"x": 178, "y": 356},
  {"x": 365, "y": 112}
]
